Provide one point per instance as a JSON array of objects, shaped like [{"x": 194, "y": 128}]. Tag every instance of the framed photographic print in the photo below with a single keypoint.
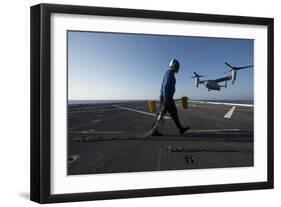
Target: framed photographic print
[{"x": 132, "y": 103}]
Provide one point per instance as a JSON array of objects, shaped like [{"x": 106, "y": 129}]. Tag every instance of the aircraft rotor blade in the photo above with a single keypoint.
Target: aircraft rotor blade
[
  {"x": 199, "y": 76},
  {"x": 196, "y": 75},
  {"x": 239, "y": 68},
  {"x": 228, "y": 65}
]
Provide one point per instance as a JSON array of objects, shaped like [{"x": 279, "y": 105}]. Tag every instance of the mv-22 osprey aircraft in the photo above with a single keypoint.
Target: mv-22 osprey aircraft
[{"x": 214, "y": 84}]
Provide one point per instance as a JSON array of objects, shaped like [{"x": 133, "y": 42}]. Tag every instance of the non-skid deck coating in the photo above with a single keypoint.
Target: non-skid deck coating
[{"x": 108, "y": 138}]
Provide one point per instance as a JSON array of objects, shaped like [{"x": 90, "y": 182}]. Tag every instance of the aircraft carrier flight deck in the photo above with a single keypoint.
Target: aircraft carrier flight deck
[{"x": 108, "y": 138}]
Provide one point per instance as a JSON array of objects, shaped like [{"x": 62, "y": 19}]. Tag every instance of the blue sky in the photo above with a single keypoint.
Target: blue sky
[{"x": 112, "y": 66}]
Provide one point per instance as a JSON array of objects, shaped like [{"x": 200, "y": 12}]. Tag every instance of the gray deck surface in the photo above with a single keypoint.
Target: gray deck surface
[{"x": 108, "y": 138}]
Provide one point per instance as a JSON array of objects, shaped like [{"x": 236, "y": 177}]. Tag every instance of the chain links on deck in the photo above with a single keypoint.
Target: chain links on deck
[{"x": 210, "y": 149}]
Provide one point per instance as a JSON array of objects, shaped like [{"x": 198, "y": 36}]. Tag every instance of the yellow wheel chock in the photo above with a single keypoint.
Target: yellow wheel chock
[{"x": 152, "y": 104}]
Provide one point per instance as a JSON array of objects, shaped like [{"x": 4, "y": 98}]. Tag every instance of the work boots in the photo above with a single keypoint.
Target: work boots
[{"x": 183, "y": 129}]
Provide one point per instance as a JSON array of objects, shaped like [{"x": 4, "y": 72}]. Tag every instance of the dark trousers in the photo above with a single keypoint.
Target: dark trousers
[{"x": 167, "y": 105}]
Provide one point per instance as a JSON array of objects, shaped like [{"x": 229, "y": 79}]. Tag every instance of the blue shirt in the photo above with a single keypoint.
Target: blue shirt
[{"x": 168, "y": 84}]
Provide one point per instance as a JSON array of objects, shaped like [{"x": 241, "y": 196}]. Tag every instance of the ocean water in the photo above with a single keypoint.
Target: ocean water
[{"x": 79, "y": 102}]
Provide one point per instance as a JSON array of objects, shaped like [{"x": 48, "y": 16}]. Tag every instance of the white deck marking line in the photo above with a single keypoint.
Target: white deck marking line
[
  {"x": 142, "y": 112},
  {"x": 214, "y": 130},
  {"x": 95, "y": 132},
  {"x": 222, "y": 103},
  {"x": 228, "y": 115}
]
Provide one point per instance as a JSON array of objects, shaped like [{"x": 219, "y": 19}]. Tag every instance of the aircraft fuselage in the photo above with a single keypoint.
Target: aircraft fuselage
[{"x": 212, "y": 85}]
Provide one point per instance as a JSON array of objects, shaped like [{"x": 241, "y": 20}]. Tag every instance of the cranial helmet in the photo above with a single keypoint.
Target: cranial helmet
[{"x": 174, "y": 64}]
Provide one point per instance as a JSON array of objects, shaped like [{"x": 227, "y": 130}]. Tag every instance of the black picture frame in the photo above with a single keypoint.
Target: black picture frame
[{"x": 41, "y": 95}]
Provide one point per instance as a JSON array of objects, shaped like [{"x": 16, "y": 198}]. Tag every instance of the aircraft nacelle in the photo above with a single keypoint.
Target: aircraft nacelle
[
  {"x": 233, "y": 76},
  {"x": 197, "y": 81}
]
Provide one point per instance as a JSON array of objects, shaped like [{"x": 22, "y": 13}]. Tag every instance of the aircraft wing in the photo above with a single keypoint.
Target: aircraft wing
[
  {"x": 202, "y": 81},
  {"x": 223, "y": 79}
]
